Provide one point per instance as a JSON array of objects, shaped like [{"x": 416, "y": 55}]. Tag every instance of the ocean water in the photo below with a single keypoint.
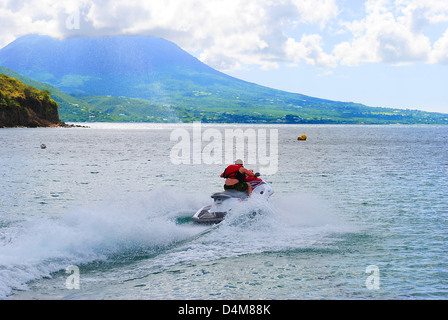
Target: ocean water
[{"x": 359, "y": 212}]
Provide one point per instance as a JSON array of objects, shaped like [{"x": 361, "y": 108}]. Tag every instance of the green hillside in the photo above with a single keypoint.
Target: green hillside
[
  {"x": 252, "y": 107},
  {"x": 24, "y": 105},
  {"x": 217, "y": 104},
  {"x": 137, "y": 78}
]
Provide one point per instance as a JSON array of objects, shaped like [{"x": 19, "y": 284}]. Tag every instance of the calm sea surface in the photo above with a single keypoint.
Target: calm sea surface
[{"x": 359, "y": 212}]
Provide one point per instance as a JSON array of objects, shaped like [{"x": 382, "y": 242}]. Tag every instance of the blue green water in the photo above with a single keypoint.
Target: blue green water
[{"x": 108, "y": 200}]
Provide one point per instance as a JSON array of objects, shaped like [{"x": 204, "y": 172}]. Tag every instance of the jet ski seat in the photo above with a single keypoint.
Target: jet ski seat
[{"x": 229, "y": 194}]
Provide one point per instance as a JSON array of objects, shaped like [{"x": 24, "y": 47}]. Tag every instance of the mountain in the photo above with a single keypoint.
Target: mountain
[
  {"x": 102, "y": 108},
  {"x": 136, "y": 78},
  {"x": 25, "y": 106},
  {"x": 138, "y": 67}
]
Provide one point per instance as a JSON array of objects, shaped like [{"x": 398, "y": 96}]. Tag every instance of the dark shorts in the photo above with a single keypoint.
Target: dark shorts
[{"x": 240, "y": 186}]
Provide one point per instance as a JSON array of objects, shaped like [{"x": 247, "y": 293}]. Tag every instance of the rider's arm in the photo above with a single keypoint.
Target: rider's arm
[{"x": 248, "y": 172}]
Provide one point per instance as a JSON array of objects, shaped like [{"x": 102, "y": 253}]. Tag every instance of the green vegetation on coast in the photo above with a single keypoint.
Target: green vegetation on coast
[
  {"x": 23, "y": 105},
  {"x": 209, "y": 107}
]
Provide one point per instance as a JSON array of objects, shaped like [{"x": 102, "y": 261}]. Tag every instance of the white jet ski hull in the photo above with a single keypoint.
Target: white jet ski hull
[{"x": 223, "y": 202}]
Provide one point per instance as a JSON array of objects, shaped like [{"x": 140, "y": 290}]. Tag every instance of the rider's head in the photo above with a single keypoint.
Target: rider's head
[{"x": 239, "y": 161}]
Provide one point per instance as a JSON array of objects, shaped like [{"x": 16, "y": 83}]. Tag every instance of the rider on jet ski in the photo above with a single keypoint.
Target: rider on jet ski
[{"x": 235, "y": 176}]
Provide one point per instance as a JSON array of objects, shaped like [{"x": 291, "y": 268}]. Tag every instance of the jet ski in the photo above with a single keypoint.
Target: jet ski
[{"x": 224, "y": 201}]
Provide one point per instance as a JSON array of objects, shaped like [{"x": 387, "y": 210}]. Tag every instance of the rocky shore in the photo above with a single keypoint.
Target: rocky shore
[{"x": 25, "y": 106}]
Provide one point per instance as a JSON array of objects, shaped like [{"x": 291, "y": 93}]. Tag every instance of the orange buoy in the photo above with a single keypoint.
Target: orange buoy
[{"x": 302, "y": 137}]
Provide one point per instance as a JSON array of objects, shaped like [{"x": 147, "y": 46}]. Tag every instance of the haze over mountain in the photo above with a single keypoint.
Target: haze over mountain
[
  {"x": 123, "y": 66},
  {"x": 161, "y": 72},
  {"x": 130, "y": 66}
]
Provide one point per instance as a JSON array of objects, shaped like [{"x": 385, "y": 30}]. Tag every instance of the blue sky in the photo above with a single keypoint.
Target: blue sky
[{"x": 387, "y": 53}]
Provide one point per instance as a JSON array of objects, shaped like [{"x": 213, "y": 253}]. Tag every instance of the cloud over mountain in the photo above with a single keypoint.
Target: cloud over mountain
[{"x": 231, "y": 34}]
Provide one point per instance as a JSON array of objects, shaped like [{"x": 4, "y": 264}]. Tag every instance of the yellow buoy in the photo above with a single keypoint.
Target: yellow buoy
[{"x": 302, "y": 137}]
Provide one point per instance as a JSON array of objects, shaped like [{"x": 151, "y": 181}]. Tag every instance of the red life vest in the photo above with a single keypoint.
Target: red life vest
[{"x": 233, "y": 172}]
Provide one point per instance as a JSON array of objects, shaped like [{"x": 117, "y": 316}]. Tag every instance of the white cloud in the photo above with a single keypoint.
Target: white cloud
[
  {"x": 229, "y": 34},
  {"x": 439, "y": 55},
  {"x": 316, "y": 11},
  {"x": 392, "y": 32},
  {"x": 310, "y": 50},
  {"x": 430, "y": 11}
]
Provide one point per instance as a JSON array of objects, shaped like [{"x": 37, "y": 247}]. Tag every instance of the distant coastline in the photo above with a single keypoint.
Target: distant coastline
[{"x": 147, "y": 79}]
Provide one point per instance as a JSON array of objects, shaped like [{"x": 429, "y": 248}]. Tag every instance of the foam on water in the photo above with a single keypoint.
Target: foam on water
[
  {"x": 146, "y": 226},
  {"x": 256, "y": 226},
  {"x": 284, "y": 223},
  {"x": 388, "y": 179},
  {"x": 142, "y": 225}
]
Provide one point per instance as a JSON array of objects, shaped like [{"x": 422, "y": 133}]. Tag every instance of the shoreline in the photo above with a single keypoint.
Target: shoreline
[{"x": 53, "y": 125}]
